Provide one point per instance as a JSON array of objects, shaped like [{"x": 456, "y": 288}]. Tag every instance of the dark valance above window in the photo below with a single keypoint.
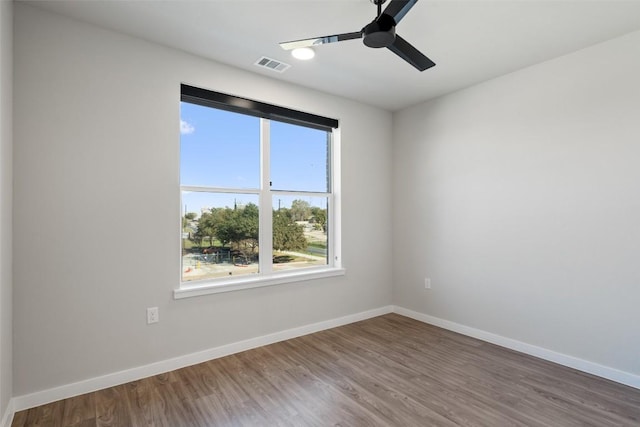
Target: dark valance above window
[{"x": 208, "y": 98}]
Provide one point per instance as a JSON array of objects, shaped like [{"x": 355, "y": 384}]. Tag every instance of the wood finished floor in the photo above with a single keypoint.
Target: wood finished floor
[{"x": 385, "y": 371}]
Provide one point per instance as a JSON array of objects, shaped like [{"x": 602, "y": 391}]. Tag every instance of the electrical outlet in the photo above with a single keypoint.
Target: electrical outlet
[
  {"x": 153, "y": 316},
  {"x": 427, "y": 283}
]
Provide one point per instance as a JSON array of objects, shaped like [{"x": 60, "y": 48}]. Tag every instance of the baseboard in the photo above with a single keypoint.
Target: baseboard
[
  {"x": 7, "y": 418},
  {"x": 69, "y": 390},
  {"x": 606, "y": 372}
]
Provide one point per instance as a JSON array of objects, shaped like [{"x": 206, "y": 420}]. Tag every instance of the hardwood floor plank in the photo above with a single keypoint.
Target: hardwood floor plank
[
  {"x": 385, "y": 379},
  {"x": 241, "y": 408},
  {"x": 269, "y": 393},
  {"x": 385, "y": 371},
  {"x": 346, "y": 381},
  {"x": 19, "y": 419},
  {"x": 79, "y": 411},
  {"x": 112, "y": 407},
  {"x": 49, "y": 415},
  {"x": 141, "y": 404},
  {"x": 171, "y": 401},
  {"x": 210, "y": 404}
]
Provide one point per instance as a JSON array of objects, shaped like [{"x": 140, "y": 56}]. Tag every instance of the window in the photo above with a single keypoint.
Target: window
[{"x": 258, "y": 194}]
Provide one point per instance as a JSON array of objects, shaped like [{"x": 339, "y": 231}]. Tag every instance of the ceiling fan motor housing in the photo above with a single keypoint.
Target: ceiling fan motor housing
[{"x": 381, "y": 32}]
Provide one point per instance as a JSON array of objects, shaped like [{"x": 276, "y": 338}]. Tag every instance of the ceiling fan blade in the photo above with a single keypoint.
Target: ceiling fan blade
[
  {"x": 413, "y": 56},
  {"x": 320, "y": 40},
  {"x": 398, "y": 8}
]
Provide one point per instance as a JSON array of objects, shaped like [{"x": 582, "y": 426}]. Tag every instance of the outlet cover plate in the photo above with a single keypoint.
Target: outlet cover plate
[{"x": 153, "y": 316}]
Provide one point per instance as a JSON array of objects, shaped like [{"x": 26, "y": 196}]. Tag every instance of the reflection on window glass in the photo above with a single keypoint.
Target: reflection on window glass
[
  {"x": 218, "y": 148},
  {"x": 299, "y": 158},
  {"x": 219, "y": 235},
  {"x": 299, "y": 232}
]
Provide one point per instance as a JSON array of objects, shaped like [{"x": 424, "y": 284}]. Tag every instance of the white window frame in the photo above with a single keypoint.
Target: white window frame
[{"x": 266, "y": 276}]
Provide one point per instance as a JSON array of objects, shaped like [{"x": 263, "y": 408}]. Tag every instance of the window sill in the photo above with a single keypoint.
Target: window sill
[{"x": 214, "y": 287}]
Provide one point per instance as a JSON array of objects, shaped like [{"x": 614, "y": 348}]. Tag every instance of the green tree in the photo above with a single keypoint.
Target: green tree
[
  {"x": 319, "y": 218},
  {"x": 186, "y": 219},
  {"x": 300, "y": 210},
  {"x": 206, "y": 227},
  {"x": 239, "y": 226},
  {"x": 225, "y": 227},
  {"x": 287, "y": 235},
  {"x": 250, "y": 228},
  {"x": 197, "y": 237}
]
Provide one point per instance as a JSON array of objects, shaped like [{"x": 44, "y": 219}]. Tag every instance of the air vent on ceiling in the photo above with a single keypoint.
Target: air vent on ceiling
[{"x": 272, "y": 64}]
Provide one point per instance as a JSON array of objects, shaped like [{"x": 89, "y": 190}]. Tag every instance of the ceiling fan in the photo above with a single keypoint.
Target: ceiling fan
[{"x": 381, "y": 32}]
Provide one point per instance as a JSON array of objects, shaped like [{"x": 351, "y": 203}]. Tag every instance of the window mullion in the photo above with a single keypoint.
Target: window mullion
[
  {"x": 335, "y": 208},
  {"x": 266, "y": 209}
]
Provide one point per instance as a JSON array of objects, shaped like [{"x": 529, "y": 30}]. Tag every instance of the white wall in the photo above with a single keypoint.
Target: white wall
[
  {"x": 519, "y": 197},
  {"x": 97, "y": 206},
  {"x": 6, "y": 69}
]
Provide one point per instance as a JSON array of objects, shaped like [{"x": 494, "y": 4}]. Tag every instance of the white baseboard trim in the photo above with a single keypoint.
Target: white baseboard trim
[
  {"x": 93, "y": 384},
  {"x": 7, "y": 418},
  {"x": 606, "y": 372}
]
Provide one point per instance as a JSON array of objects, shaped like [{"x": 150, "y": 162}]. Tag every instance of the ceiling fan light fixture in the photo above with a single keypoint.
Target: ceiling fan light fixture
[{"x": 303, "y": 53}]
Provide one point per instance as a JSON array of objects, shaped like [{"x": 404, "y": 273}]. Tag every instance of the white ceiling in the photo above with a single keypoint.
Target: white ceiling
[{"x": 470, "y": 41}]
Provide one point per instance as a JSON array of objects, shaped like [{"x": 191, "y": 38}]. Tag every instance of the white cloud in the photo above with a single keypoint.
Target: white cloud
[{"x": 186, "y": 128}]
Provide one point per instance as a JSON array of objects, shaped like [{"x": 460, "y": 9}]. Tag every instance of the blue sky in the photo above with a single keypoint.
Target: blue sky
[{"x": 222, "y": 149}]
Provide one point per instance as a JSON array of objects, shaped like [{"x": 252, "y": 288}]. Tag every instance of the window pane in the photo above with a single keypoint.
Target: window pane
[
  {"x": 219, "y": 235},
  {"x": 299, "y": 158},
  {"x": 299, "y": 232},
  {"x": 218, "y": 148}
]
